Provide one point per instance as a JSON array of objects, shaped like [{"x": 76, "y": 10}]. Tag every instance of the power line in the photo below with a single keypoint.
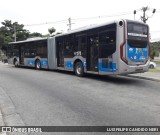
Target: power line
[
  {"x": 104, "y": 16},
  {"x": 81, "y": 19},
  {"x": 56, "y": 22},
  {"x": 155, "y": 31}
]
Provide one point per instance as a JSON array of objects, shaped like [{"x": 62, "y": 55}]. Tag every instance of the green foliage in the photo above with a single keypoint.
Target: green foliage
[
  {"x": 35, "y": 34},
  {"x": 152, "y": 54},
  {"x": 155, "y": 49},
  {"x": 58, "y": 33},
  {"x": 51, "y": 30},
  {"x": 45, "y": 36},
  {"x": 154, "y": 70},
  {"x": 9, "y": 28},
  {"x": 7, "y": 32}
]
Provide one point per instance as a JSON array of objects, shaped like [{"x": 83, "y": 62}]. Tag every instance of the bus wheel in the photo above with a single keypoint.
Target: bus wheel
[
  {"x": 38, "y": 64},
  {"x": 15, "y": 63},
  {"x": 79, "y": 69}
]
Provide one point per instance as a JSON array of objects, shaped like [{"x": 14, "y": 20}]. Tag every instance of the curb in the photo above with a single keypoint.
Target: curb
[
  {"x": 142, "y": 77},
  {"x": 1, "y": 119},
  {"x": 8, "y": 114}
]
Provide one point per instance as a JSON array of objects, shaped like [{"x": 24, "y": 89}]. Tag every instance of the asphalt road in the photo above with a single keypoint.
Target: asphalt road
[{"x": 55, "y": 98}]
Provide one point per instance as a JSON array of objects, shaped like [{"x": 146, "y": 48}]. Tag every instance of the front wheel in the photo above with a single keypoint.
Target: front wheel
[
  {"x": 79, "y": 69},
  {"x": 38, "y": 64}
]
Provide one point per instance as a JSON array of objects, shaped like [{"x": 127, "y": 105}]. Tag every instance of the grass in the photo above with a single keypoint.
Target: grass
[
  {"x": 157, "y": 62},
  {"x": 154, "y": 70}
]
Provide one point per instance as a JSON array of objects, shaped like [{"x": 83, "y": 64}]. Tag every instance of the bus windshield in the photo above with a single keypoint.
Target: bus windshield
[
  {"x": 135, "y": 29},
  {"x": 137, "y": 34}
]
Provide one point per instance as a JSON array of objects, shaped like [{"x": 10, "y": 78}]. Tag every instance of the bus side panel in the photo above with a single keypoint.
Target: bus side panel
[
  {"x": 121, "y": 30},
  {"x": 30, "y": 62},
  {"x": 52, "y": 60}
]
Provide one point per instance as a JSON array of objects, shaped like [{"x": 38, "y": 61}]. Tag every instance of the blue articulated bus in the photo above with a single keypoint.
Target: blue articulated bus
[{"x": 118, "y": 47}]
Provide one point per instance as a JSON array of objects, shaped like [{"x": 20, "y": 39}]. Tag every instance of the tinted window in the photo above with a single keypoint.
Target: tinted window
[
  {"x": 107, "y": 43},
  {"x": 139, "y": 29},
  {"x": 81, "y": 43},
  {"x": 37, "y": 48},
  {"x": 137, "y": 35},
  {"x": 68, "y": 46},
  {"x": 137, "y": 44}
]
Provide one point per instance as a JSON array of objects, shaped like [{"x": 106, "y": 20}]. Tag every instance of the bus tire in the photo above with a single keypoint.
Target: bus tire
[
  {"x": 15, "y": 62},
  {"x": 38, "y": 64},
  {"x": 79, "y": 69}
]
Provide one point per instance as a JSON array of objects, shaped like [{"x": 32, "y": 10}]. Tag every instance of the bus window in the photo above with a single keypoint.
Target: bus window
[
  {"x": 107, "y": 43},
  {"x": 26, "y": 51},
  {"x": 82, "y": 43},
  {"x": 41, "y": 49},
  {"x": 137, "y": 35},
  {"x": 9, "y": 51},
  {"x": 68, "y": 46}
]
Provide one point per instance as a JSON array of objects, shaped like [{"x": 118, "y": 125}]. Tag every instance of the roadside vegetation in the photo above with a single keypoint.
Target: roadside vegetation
[
  {"x": 9, "y": 31},
  {"x": 154, "y": 70},
  {"x": 155, "y": 49},
  {"x": 157, "y": 62}
]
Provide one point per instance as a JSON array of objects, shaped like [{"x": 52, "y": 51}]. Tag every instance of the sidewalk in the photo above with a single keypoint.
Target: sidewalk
[
  {"x": 147, "y": 75},
  {"x": 1, "y": 119},
  {"x": 1, "y": 123}
]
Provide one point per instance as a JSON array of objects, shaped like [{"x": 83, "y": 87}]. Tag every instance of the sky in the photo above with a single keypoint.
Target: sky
[{"x": 39, "y": 15}]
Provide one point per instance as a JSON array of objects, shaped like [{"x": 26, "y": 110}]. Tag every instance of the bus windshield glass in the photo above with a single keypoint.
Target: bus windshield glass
[
  {"x": 135, "y": 29},
  {"x": 137, "y": 34}
]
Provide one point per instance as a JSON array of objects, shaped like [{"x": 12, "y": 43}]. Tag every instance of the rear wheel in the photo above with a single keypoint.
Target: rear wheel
[
  {"x": 79, "y": 69},
  {"x": 38, "y": 64}
]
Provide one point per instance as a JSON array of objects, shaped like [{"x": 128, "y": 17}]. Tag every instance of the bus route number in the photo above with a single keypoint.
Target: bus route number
[{"x": 77, "y": 53}]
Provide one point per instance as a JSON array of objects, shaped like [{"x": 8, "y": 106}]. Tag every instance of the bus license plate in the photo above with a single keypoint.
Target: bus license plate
[{"x": 139, "y": 69}]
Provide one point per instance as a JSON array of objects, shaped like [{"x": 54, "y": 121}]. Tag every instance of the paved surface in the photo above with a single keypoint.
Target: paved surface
[
  {"x": 147, "y": 75},
  {"x": 49, "y": 98}
]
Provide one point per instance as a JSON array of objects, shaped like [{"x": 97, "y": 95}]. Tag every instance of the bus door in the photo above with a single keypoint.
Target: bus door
[
  {"x": 21, "y": 54},
  {"x": 60, "y": 52},
  {"x": 92, "y": 53},
  {"x": 107, "y": 46}
]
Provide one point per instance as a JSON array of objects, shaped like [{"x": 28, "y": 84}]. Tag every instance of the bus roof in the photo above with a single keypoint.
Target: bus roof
[
  {"x": 97, "y": 26},
  {"x": 28, "y": 40},
  {"x": 78, "y": 30},
  {"x": 85, "y": 28}
]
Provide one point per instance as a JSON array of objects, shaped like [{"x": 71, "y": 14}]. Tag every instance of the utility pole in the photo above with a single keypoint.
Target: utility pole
[
  {"x": 69, "y": 24},
  {"x": 144, "y": 9},
  {"x": 15, "y": 36},
  {"x": 143, "y": 18},
  {"x": 69, "y": 20}
]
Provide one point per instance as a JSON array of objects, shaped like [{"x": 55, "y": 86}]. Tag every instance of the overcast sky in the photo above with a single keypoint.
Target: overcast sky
[{"x": 30, "y": 12}]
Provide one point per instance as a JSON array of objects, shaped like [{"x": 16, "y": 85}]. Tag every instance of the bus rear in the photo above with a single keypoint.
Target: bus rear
[{"x": 134, "y": 49}]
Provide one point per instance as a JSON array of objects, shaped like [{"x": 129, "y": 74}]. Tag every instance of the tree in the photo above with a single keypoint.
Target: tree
[
  {"x": 35, "y": 34},
  {"x": 7, "y": 32},
  {"x": 58, "y": 33},
  {"x": 51, "y": 30},
  {"x": 152, "y": 55},
  {"x": 154, "y": 49}
]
